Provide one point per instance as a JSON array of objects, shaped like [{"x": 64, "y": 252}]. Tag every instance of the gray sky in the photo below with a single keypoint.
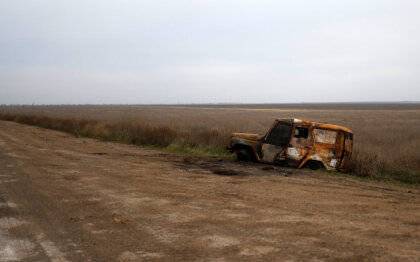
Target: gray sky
[{"x": 179, "y": 51}]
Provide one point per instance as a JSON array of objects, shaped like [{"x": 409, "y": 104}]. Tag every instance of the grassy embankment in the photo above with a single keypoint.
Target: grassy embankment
[
  {"x": 195, "y": 142},
  {"x": 200, "y": 142}
]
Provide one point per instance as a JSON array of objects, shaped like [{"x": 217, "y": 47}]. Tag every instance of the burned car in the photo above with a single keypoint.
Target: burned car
[{"x": 296, "y": 143}]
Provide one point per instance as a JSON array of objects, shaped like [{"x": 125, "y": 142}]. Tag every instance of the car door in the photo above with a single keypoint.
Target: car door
[
  {"x": 275, "y": 142},
  {"x": 347, "y": 149},
  {"x": 300, "y": 145}
]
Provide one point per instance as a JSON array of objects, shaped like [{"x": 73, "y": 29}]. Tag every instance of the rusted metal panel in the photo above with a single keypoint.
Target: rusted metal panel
[
  {"x": 325, "y": 136},
  {"x": 271, "y": 153}
]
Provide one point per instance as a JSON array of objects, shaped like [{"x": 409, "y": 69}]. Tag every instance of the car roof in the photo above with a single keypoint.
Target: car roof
[{"x": 315, "y": 124}]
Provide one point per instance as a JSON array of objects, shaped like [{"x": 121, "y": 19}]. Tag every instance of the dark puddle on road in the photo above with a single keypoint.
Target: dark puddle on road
[
  {"x": 224, "y": 169},
  {"x": 228, "y": 172},
  {"x": 7, "y": 211},
  {"x": 216, "y": 171}
]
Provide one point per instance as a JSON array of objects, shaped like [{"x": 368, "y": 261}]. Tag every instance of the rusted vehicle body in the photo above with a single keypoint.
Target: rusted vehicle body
[{"x": 297, "y": 143}]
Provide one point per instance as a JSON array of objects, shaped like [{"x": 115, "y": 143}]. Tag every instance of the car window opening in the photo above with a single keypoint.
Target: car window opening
[
  {"x": 301, "y": 132},
  {"x": 280, "y": 134}
]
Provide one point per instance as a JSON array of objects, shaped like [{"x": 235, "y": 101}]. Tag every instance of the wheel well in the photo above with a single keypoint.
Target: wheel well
[
  {"x": 314, "y": 164},
  {"x": 244, "y": 147}
]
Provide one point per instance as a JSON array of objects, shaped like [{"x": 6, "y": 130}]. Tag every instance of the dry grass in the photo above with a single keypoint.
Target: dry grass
[{"x": 386, "y": 136}]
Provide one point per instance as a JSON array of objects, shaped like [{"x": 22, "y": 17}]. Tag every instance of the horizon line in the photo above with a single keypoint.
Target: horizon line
[{"x": 216, "y": 103}]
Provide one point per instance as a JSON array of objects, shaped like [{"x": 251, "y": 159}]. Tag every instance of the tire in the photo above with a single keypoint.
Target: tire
[{"x": 245, "y": 155}]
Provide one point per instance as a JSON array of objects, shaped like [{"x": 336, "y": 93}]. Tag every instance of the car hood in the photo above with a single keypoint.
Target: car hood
[{"x": 254, "y": 137}]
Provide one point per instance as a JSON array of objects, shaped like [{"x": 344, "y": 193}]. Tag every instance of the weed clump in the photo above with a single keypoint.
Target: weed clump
[{"x": 371, "y": 165}]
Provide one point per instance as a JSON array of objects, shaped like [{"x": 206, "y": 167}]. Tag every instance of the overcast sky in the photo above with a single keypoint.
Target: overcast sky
[{"x": 208, "y": 51}]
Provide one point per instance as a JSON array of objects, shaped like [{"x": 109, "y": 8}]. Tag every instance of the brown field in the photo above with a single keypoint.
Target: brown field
[{"x": 386, "y": 136}]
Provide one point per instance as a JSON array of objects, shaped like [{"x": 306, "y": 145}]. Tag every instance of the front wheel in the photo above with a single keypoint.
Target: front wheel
[{"x": 245, "y": 155}]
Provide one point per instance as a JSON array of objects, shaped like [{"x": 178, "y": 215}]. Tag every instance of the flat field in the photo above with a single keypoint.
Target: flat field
[{"x": 386, "y": 136}]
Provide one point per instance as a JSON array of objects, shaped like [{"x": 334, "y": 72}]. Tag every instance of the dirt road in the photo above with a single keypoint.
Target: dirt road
[{"x": 70, "y": 199}]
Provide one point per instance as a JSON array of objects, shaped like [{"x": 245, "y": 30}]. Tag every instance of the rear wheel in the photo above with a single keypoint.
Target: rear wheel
[{"x": 314, "y": 165}]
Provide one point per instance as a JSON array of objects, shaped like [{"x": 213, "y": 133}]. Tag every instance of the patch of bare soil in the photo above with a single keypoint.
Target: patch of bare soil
[{"x": 70, "y": 199}]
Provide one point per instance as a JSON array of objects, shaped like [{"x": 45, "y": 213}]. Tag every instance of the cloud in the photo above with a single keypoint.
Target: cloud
[{"x": 208, "y": 51}]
